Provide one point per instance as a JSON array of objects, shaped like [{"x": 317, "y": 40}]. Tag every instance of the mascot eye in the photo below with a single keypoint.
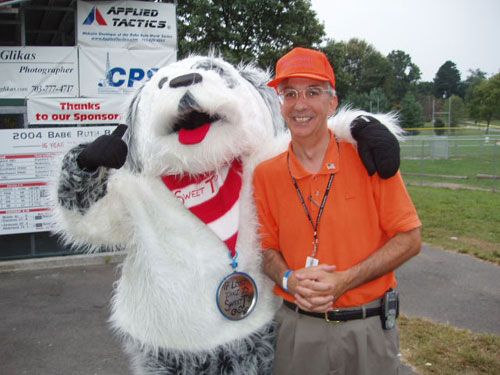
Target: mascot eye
[
  {"x": 213, "y": 66},
  {"x": 162, "y": 82}
]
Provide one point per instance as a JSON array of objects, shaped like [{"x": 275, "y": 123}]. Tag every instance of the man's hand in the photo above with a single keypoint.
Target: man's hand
[
  {"x": 108, "y": 151},
  {"x": 317, "y": 287},
  {"x": 377, "y": 146}
]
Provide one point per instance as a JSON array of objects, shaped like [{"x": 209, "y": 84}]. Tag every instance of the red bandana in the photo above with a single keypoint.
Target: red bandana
[{"x": 214, "y": 198}]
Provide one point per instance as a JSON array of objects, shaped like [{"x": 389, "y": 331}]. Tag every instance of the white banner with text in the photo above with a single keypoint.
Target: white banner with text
[
  {"x": 80, "y": 111},
  {"x": 118, "y": 71},
  {"x": 126, "y": 24},
  {"x": 27, "y": 164},
  {"x": 38, "y": 71}
]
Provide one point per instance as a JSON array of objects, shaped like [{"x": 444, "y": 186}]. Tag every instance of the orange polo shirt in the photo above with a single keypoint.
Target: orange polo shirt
[{"x": 361, "y": 214}]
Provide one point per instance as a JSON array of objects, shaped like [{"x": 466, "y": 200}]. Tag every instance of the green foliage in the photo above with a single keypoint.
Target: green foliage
[
  {"x": 485, "y": 100},
  {"x": 411, "y": 112},
  {"x": 358, "y": 65},
  {"x": 457, "y": 110},
  {"x": 246, "y": 30},
  {"x": 375, "y": 101},
  {"x": 447, "y": 80},
  {"x": 438, "y": 127},
  {"x": 474, "y": 78},
  {"x": 424, "y": 88},
  {"x": 403, "y": 76}
]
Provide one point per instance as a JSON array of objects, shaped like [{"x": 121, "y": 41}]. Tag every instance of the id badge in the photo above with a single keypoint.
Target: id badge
[{"x": 311, "y": 262}]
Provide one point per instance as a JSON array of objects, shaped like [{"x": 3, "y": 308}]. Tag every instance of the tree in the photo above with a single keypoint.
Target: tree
[
  {"x": 439, "y": 127},
  {"x": 474, "y": 78},
  {"x": 485, "y": 100},
  {"x": 403, "y": 76},
  {"x": 411, "y": 114},
  {"x": 359, "y": 67},
  {"x": 424, "y": 92},
  {"x": 447, "y": 81},
  {"x": 247, "y": 30},
  {"x": 375, "y": 101},
  {"x": 457, "y": 110}
]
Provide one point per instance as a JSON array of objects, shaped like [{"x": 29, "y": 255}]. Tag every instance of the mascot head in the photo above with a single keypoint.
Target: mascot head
[{"x": 199, "y": 114}]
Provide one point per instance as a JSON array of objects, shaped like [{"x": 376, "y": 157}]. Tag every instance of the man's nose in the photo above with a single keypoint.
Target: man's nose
[
  {"x": 301, "y": 101},
  {"x": 186, "y": 80}
]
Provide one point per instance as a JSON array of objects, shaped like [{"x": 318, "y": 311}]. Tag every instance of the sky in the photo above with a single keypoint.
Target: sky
[{"x": 467, "y": 32}]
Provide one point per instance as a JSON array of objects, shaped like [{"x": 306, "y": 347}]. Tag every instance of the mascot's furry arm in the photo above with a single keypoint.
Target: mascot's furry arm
[{"x": 84, "y": 182}]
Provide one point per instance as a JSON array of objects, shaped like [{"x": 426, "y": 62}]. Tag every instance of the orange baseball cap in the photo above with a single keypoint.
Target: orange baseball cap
[{"x": 303, "y": 63}]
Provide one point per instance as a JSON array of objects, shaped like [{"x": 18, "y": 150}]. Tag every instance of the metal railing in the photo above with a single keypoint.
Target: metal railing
[{"x": 454, "y": 161}]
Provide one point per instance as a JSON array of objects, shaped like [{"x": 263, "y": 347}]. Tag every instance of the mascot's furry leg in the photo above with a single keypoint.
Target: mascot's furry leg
[{"x": 252, "y": 355}]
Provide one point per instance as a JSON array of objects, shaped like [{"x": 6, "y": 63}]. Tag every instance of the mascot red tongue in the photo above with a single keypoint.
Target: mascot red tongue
[{"x": 193, "y": 136}]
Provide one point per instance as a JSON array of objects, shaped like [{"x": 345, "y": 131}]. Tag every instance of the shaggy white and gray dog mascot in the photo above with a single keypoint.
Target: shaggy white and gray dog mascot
[{"x": 176, "y": 195}]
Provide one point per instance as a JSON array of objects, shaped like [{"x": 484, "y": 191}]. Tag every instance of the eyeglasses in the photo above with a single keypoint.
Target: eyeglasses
[{"x": 289, "y": 95}]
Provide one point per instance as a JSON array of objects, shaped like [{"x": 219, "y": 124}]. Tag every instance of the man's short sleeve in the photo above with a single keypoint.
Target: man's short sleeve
[
  {"x": 268, "y": 229},
  {"x": 396, "y": 209}
]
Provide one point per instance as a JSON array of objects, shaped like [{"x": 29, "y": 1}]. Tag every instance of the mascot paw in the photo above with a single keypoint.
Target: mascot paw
[
  {"x": 378, "y": 148},
  {"x": 108, "y": 151}
]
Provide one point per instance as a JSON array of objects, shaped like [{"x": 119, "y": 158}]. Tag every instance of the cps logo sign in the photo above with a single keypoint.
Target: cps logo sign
[{"x": 120, "y": 77}]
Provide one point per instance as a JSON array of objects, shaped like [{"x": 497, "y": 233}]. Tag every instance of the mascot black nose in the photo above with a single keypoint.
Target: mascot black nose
[{"x": 186, "y": 80}]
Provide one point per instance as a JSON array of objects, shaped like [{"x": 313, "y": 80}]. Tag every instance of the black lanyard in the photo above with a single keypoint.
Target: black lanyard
[{"x": 321, "y": 207}]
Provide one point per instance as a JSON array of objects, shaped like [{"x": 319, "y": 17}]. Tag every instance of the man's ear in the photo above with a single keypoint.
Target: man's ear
[{"x": 333, "y": 104}]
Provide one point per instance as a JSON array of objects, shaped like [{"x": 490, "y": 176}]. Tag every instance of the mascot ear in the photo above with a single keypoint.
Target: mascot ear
[
  {"x": 133, "y": 160},
  {"x": 258, "y": 79}
]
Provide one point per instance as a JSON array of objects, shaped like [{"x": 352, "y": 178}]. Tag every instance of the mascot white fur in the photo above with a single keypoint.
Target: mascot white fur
[{"x": 181, "y": 207}]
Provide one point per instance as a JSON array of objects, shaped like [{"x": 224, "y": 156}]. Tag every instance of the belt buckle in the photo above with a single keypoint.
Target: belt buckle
[{"x": 332, "y": 321}]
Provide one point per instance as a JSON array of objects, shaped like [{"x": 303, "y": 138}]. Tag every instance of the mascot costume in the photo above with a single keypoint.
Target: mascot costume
[{"x": 176, "y": 195}]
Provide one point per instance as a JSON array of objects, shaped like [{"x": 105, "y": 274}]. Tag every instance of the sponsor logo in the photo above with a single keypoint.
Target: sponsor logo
[
  {"x": 119, "y": 79},
  {"x": 95, "y": 16}
]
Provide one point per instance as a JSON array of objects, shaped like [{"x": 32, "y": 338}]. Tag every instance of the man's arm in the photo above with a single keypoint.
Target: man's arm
[
  {"x": 315, "y": 283},
  {"x": 275, "y": 267}
]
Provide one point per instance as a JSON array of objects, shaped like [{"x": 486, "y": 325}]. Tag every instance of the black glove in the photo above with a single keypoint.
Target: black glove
[
  {"x": 377, "y": 146},
  {"x": 106, "y": 151}
]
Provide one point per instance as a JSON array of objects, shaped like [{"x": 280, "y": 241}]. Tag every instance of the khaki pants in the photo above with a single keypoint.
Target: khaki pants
[{"x": 311, "y": 346}]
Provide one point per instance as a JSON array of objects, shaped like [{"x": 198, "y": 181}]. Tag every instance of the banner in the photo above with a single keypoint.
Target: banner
[
  {"x": 126, "y": 24},
  {"x": 27, "y": 163},
  {"x": 38, "y": 71},
  {"x": 118, "y": 71},
  {"x": 80, "y": 111}
]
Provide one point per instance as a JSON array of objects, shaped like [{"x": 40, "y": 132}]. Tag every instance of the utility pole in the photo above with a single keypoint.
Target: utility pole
[{"x": 449, "y": 112}]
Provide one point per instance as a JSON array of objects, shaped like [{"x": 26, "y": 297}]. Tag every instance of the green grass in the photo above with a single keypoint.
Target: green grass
[
  {"x": 460, "y": 220},
  {"x": 467, "y": 221},
  {"x": 434, "y": 348}
]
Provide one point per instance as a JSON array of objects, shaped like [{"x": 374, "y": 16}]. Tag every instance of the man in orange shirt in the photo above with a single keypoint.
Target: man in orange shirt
[{"x": 332, "y": 234}]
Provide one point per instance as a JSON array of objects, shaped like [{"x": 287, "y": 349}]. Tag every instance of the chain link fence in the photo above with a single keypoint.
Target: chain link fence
[{"x": 453, "y": 161}]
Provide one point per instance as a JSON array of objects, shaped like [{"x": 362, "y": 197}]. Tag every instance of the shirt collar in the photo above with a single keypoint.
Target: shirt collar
[{"x": 330, "y": 162}]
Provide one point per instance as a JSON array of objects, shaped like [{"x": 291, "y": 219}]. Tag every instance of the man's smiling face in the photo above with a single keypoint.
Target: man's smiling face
[{"x": 308, "y": 114}]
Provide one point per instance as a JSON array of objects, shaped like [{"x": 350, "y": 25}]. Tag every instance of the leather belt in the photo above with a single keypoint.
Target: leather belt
[{"x": 339, "y": 315}]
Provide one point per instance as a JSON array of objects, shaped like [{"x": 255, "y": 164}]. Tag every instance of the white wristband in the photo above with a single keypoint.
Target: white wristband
[{"x": 284, "y": 284}]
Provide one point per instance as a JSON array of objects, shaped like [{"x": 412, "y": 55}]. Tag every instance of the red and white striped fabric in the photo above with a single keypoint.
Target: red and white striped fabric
[{"x": 213, "y": 198}]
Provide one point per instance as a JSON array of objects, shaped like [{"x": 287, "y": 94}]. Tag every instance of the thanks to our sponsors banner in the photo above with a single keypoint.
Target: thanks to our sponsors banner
[
  {"x": 83, "y": 111},
  {"x": 38, "y": 71},
  {"x": 27, "y": 164},
  {"x": 126, "y": 24},
  {"x": 118, "y": 71}
]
